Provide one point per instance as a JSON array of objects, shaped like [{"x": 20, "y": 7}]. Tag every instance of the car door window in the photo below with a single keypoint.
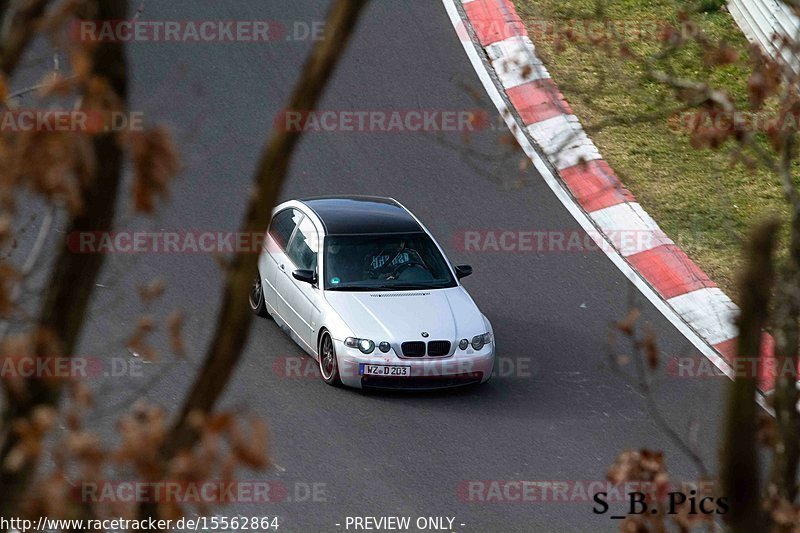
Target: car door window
[
  {"x": 282, "y": 226},
  {"x": 304, "y": 246}
]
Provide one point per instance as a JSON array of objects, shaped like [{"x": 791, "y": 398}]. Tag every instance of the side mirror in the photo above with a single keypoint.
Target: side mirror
[
  {"x": 306, "y": 276},
  {"x": 462, "y": 271}
]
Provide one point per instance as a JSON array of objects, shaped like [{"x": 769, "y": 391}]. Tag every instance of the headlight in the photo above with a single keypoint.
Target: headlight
[
  {"x": 365, "y": 345},
  {"x": 384, "y": 346},
  {"x": 463, "y": 343},
  {"x": 478, "y": 341}
]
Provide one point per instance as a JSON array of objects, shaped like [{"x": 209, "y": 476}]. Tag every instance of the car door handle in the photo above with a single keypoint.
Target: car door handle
[{"x": 283, "y": 267}]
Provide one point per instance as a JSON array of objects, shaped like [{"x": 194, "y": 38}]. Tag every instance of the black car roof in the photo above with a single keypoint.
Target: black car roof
[{"x": 355, "y": 215}]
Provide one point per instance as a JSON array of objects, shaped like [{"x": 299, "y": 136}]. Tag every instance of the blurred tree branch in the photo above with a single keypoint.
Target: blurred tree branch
[
  {"x": 18, "y": 28},
  {"x": 646, "y": 357},
  {"x": 72, "y": 282},
  {"x": 235, "y": 316}
]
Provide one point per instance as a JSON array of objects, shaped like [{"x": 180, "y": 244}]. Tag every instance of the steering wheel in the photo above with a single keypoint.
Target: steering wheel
[{"x": 399, "y": 269}]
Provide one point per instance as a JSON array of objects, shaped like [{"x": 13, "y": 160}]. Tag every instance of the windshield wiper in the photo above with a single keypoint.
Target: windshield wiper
[
  {"x": 409, "y": 287},
  {"x": 385, "y": 287},
  {"x": 350, "y": 288}
]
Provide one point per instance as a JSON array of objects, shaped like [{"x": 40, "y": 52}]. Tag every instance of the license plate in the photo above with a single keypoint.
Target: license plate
[{"x": 384, "y": 370}]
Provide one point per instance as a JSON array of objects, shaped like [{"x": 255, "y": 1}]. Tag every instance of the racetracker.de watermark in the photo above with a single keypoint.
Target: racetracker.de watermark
[
  {"x": 556, "y": 241},
  {"x": 700, "y": 367},
  {"x": 75, "y": 367},
  {"x": 165, "y": 242},
  {"x": 480, "y": 491},
  {"x": 721, "y": 121},
  {"x": 69, "y": 120},
  {"x": 302, "y": 367},
  {"x": 197, "y": 31},
  {"x": 565, "y": 30},
  {"x": 202, "y": 492},
  {"x": 382, "y": 121}
]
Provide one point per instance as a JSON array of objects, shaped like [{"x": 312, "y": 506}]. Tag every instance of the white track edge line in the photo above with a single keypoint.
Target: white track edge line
[{"x": 576, "y": 211}]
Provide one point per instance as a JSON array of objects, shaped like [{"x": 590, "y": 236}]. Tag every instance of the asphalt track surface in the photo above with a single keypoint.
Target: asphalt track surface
[{"x": 561, "y": 414}]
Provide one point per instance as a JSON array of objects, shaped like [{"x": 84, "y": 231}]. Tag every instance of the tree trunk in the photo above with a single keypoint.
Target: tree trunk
[
  {"x": 739, "y": 462},
  {"x": 783, "y": 474}
]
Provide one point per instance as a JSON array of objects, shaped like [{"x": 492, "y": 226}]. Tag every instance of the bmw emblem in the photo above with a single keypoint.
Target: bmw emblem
[{"x": 425, "y": 334}]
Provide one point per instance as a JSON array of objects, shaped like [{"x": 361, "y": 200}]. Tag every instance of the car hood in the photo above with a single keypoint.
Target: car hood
[{"x": 399, "y": 316}]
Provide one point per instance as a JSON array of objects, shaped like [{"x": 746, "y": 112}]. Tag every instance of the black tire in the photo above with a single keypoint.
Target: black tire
[
  {"x": 328, "y": 363},
  {"x": 256, "y": 298}
]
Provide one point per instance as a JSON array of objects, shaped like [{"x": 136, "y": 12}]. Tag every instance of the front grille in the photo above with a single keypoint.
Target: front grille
[
  {"x": 413, "y": 348},
  {"x": 438, "y": 348},
  {"x": 418, "y": 348}
]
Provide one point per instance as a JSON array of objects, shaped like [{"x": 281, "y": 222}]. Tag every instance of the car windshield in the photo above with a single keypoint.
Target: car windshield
[{"x": 385, "y": 262}]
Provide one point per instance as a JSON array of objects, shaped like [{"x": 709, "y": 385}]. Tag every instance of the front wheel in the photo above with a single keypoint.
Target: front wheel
[
  {"x": 257, "y": 297},
  {"x": 328, "y": 364}
]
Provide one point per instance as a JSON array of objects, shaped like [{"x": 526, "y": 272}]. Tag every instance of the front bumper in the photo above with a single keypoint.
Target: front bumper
[{"x": 463, "y": 368}]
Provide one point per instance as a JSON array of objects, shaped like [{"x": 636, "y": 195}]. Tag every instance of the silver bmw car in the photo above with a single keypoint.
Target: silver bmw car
[{"x": 361, "y": 285}]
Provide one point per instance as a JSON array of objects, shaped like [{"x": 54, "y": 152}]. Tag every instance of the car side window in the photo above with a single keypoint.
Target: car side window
[
  {"x": 283, "y": 225},
  {"x": 304, "y": 246}
]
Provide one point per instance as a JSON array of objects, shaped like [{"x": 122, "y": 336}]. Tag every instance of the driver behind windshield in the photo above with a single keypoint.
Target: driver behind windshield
[{"x": 380, "y": 261}]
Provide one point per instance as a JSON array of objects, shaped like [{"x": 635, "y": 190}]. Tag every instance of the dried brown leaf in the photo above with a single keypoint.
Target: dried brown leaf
[
  {"x": 175, "y": 329},
  {"x": 626, "y": 325},
  {"x": 155, "y": 162},
  {"x": 152, "y": 290}
]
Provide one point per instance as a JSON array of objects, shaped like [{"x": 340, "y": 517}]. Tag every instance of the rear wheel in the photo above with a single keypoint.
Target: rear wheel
[
  {"x": 257, "y": 297},
  {"x": 328, "y": 364}
]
